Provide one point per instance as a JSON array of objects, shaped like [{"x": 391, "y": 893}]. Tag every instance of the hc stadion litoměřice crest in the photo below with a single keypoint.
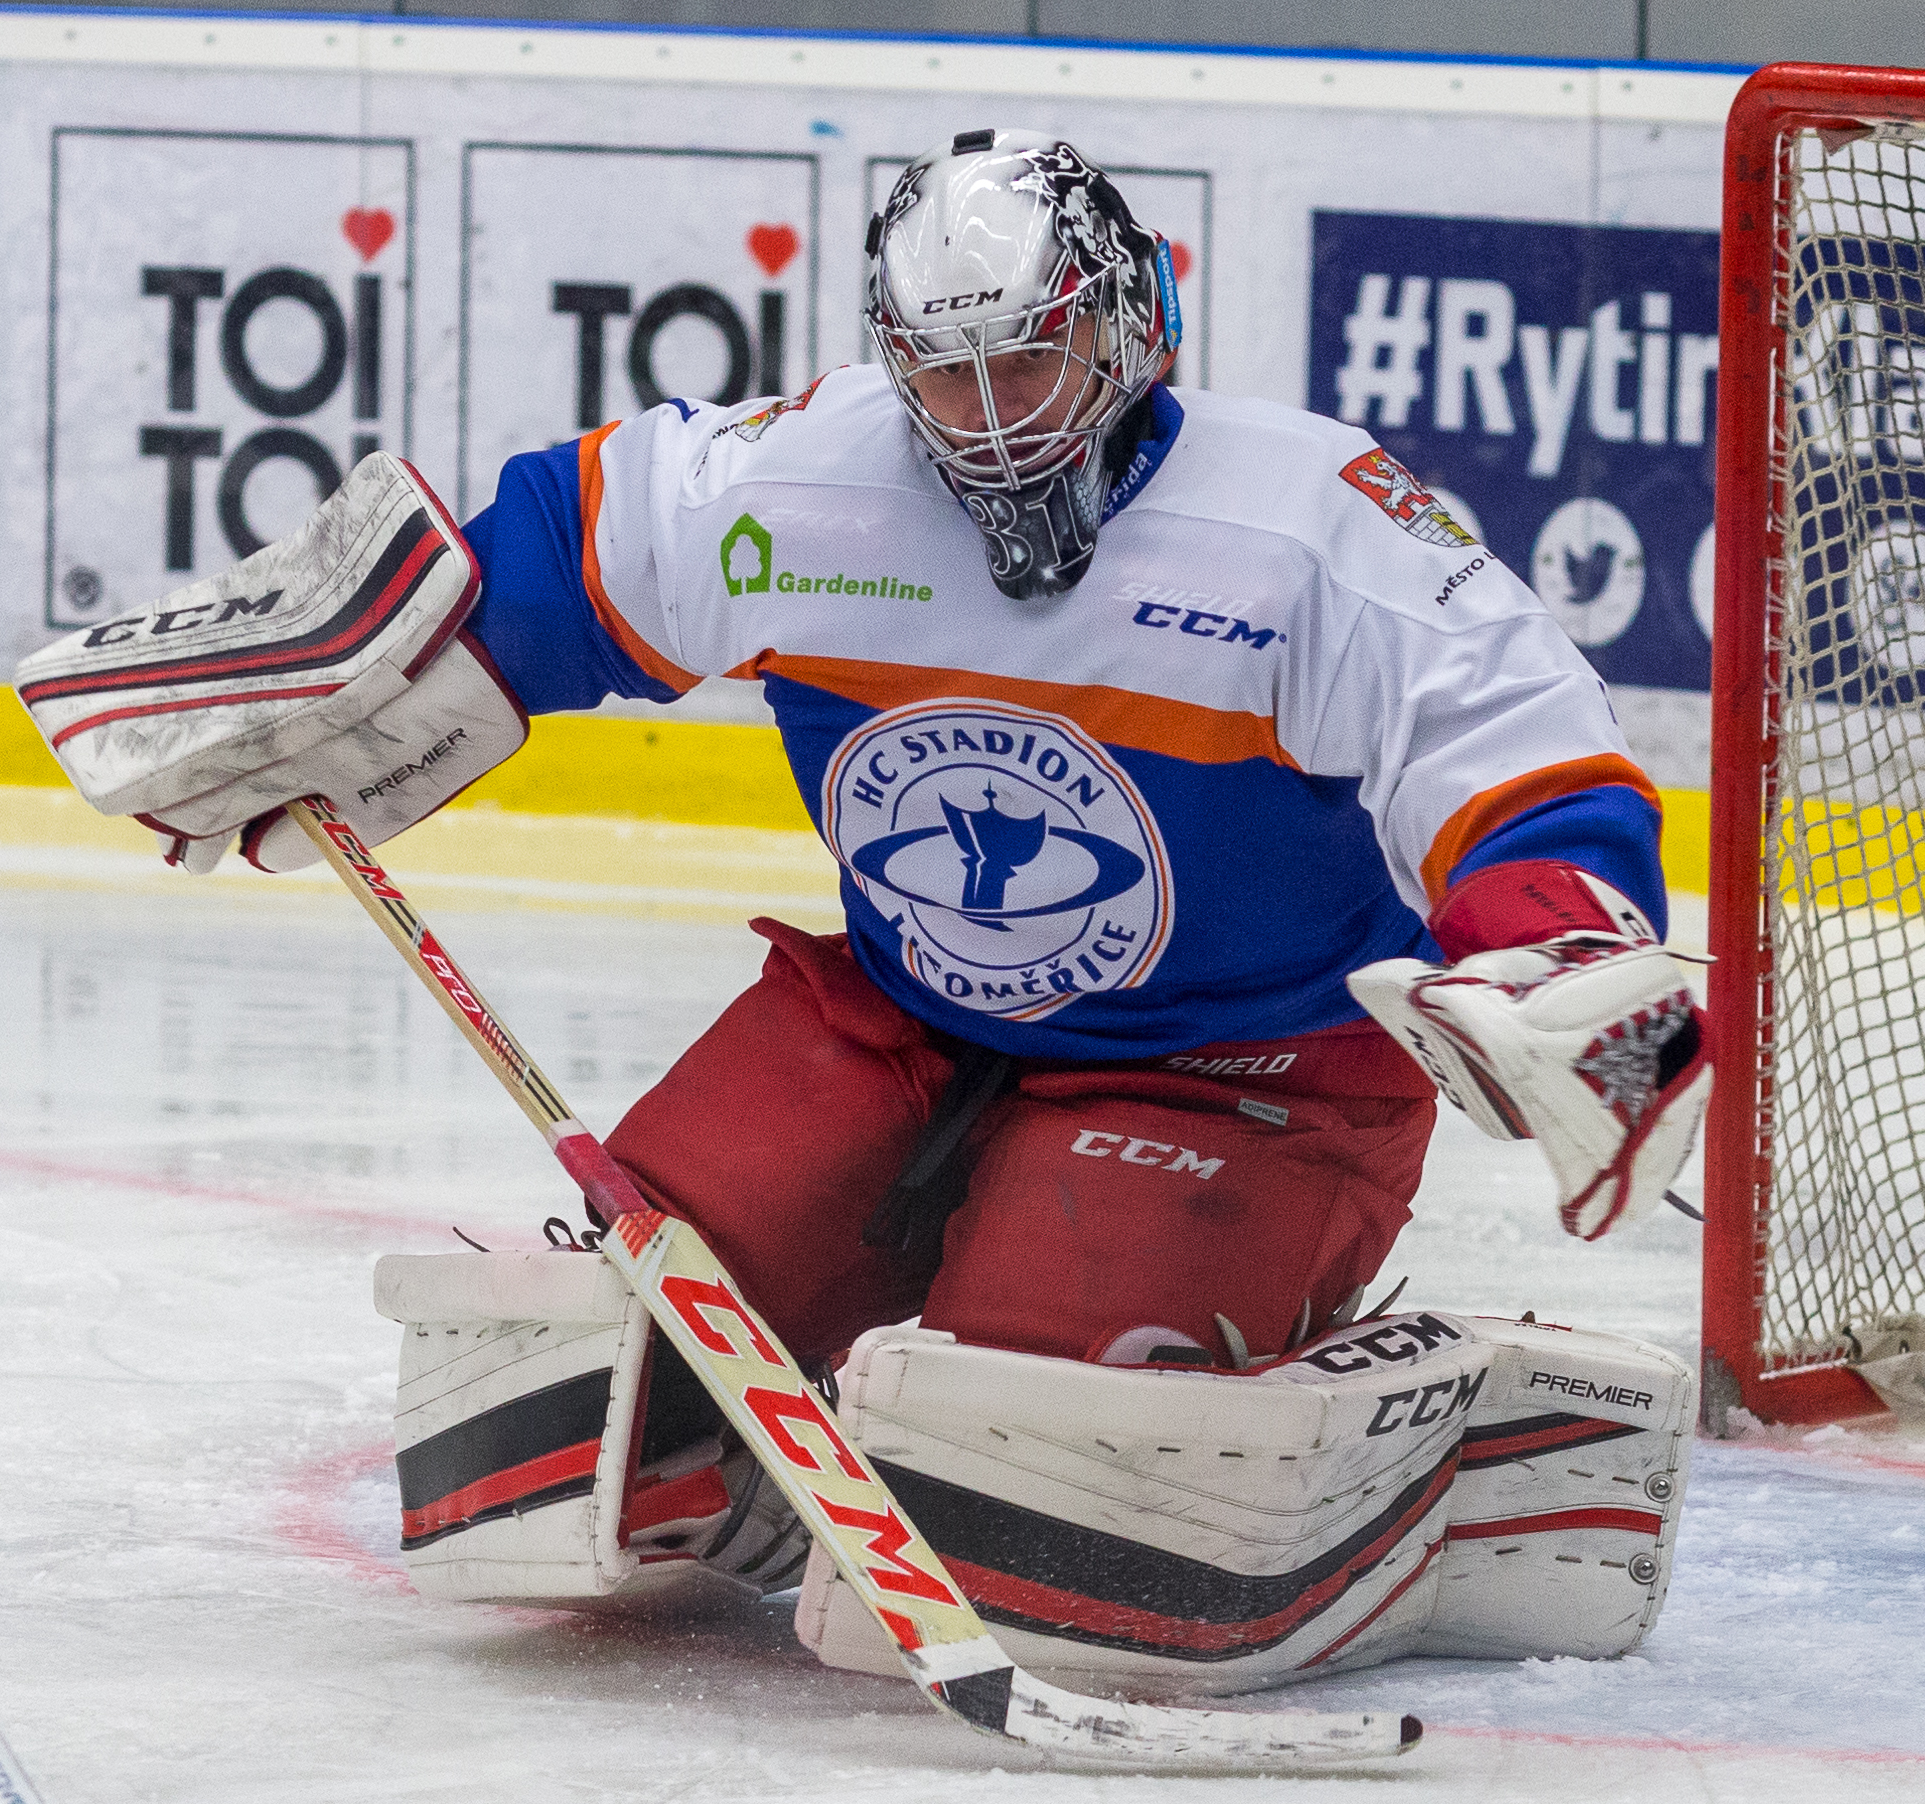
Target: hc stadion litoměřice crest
[{"x": 1018, "y": 861}]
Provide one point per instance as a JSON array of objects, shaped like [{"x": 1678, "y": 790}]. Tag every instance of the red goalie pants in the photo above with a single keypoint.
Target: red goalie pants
[{"x": 1102, "y": 1197}]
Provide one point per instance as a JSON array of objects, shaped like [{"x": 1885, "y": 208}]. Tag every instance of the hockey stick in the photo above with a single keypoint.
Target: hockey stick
[
  {"x": 830, "y": 1484},
  {"x": 15, "y": 1786}
]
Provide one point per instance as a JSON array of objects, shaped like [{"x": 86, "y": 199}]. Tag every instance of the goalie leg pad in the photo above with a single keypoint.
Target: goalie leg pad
[
  {"x": 1570, "y": 1483},
  {"x": 551, "y": 1451},
  {"x": 1162, "y": 1532},
  {"x": 1427, "y": 1483}
]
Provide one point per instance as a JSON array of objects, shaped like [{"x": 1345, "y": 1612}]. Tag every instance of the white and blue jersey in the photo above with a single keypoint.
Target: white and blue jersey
[{"x": 1289, "y": 705}]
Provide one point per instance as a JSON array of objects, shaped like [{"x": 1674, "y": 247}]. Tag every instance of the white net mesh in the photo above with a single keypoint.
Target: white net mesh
[{"x": 1843, "y": 1064}]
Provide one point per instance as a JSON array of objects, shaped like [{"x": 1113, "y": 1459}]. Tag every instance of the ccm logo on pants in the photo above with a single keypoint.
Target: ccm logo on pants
[{"x": 1094, "y": 1145}]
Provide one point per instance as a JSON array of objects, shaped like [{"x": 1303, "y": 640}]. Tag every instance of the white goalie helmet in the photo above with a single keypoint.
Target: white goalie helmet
[{"x": 1021, "y": 313}]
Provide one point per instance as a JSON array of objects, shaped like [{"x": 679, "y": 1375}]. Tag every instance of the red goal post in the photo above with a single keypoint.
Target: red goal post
[{"x": 1814, "y": 1250}]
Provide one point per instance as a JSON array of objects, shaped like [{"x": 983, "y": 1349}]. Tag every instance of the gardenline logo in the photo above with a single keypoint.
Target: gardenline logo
[{"x": 748, "y": 567}]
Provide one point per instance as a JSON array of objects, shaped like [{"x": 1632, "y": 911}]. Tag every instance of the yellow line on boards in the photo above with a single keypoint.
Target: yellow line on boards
[
  {"x": 24, "y": 757},
  {"x": 1686, "y": 848},
  {"x": 720, "y": 774},
  {"x": 707, "y": 773}
]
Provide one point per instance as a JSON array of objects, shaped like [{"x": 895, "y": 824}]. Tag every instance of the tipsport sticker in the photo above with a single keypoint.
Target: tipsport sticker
[{"x": 1018, "y": 862}]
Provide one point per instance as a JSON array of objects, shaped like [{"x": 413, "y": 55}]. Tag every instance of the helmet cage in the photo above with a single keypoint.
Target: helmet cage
[{"x": 1086, "y": 322}]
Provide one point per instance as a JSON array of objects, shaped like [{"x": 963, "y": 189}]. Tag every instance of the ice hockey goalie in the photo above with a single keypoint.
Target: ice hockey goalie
[{"x": 1206, "y": 803}]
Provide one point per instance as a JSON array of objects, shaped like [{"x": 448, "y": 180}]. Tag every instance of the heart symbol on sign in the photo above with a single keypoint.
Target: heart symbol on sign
[
  {"x": 772, "y": 246},
  {"x": 1179, "y": 259},
  {"x": 367, "y": 229}
]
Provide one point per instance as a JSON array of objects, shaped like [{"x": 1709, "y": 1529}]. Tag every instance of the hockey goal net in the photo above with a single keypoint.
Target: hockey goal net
[{"x": 1815, "y": 1147}]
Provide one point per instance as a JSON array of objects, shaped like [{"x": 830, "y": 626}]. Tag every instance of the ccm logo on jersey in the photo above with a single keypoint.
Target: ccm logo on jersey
[
  {"x": 180, "y": 620},
  {"x": 441, "y": 749},
  {"x": 957, "y": 302},
  {"x": 1094, "y": 1145},
  {"x": 1564, "y": 1385},
  {"x": 1434, "y": 1403},
  {"x": 1160, "y": 613},
  {"x": 1409, "y": 1337}
]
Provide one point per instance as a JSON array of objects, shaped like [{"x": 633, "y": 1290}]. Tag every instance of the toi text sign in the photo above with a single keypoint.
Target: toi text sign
[
  {"x": 231, "y": 331},
  {"x": 599, "y": 281}
]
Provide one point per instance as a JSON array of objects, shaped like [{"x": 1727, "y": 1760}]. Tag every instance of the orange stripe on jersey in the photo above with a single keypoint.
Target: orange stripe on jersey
[
  {"x": 1488, "y": 810},
  {"x": 1117, "y": 717},
  {"x": 638, "y": 649}
]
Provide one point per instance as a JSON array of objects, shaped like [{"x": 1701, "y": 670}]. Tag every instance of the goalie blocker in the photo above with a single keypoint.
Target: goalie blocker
[
  {"x": 1563, "y": 1020},
  {"x": 331, "y": 662}
]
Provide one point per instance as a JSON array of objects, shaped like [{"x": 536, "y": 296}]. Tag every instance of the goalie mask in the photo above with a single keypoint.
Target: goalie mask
[{"x": 1022, "y": 313}]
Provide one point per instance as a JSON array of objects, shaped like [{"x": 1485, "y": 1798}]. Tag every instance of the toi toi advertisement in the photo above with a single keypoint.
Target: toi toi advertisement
[
  {"x": 231, "y": 330},
  {"x": 599, "y": 281}
]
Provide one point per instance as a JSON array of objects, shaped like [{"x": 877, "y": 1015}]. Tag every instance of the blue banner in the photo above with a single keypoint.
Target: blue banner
[{"x": 1557, "y": 385}]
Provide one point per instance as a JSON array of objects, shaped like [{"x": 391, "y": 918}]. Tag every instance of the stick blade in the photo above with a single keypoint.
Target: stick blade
[{"x": 1076, "y": 1730}]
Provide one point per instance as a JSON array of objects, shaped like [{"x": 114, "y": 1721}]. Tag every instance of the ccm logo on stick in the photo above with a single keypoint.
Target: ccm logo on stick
[{"x": 1094, "y": 1145}]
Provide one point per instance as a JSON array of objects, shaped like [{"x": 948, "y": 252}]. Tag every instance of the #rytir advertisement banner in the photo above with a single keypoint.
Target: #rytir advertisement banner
[{"x": 1555, "y": 386}]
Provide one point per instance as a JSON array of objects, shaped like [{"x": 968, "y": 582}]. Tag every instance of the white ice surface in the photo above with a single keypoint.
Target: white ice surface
[{"x": 215, "y": 1112}]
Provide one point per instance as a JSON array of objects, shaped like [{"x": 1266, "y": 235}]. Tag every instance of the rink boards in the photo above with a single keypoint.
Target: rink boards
[{"x": 241, "y": 252}]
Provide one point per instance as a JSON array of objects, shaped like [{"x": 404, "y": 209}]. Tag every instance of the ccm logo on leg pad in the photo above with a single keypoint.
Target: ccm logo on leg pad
[
  {"x": 1415, "y": 1409},
  {"x": 1094, "y": 1145}
]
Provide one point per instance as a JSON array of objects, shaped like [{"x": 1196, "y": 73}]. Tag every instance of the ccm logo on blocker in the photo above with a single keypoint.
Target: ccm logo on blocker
[{"x": 1143, "y": 1152}]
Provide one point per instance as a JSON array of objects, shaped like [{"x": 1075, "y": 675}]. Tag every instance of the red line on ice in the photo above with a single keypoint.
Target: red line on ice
[
  {"x": 1832, "y": 1453},
  {"x": 66, "y": 1171},
  {"x": 1851, "y": 1457},
  {"x": 1658, "y": 1744},
  {"x": 312, "y": 1517}
]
